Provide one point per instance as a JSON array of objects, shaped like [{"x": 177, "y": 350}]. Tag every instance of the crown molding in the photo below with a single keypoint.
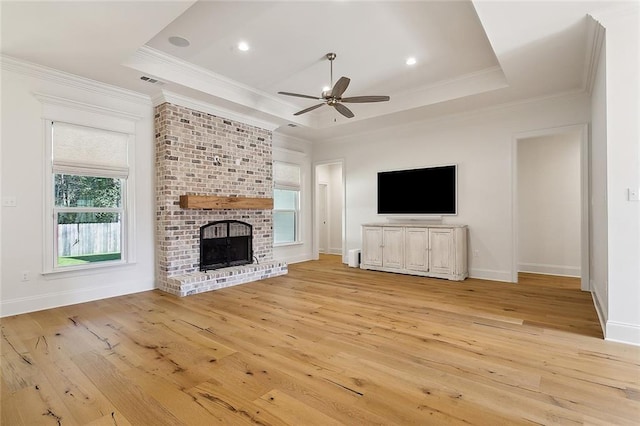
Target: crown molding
[
  {"x": 595, "y": 40},
  {"x": 570, "y": 94},
  {"x": 171, "y": 69},
  {"x": 176, "y": 99},
  {"x": 481, "y": 81},
  {"x": 31, "y": 69},
  {"x": 56, "y": 100},
  {"x": 294, "y": 139},
  {"x": 287, "y": 151}
]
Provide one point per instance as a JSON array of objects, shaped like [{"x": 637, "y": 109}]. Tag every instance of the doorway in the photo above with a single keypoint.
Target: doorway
[
  {"x": 323, "y": 217},
  {"x": 550, "y": 204},
  {"x": 329, "y": 210}
]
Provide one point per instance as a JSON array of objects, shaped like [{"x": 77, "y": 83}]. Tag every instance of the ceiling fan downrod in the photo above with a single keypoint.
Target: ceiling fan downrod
[{"x": 331, "y": 57}]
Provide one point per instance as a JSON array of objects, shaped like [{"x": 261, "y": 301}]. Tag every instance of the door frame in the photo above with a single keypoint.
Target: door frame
[
  {"x": 584, "y": 197},
  {"x": 316, "y": 207},
  {"x": 319, "y": 216}
]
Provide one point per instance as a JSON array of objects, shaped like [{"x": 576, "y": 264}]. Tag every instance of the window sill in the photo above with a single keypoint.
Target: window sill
[
  {"x": 74, "y": 271},
  {"x": 296, "y": 243}
]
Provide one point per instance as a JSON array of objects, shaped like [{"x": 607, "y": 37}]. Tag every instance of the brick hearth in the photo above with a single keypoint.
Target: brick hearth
[{"x": 187, "y": 145}]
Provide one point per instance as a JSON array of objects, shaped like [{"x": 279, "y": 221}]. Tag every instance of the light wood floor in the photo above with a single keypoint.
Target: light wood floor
[{"x": 324, "y": 345}]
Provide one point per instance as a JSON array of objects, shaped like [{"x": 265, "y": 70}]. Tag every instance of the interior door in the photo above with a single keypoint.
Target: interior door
[{"x": 323, "y": 213}]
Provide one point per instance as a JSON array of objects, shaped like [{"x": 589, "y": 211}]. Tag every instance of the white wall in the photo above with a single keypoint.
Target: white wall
[
  {"x": 623, "y": 171},
  {"x": 23, "y": 148},
  {"x": 298, "y": 151},
  {"x": 480, "y": 143},
  {"x": 549, "y": 211}
]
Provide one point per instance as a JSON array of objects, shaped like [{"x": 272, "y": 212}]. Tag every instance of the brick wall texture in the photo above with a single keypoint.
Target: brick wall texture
[{"x": 187, "y": 144}]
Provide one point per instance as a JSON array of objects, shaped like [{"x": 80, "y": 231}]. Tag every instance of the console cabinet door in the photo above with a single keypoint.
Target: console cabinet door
[
  {"x": 416, "y": 249},
  {"x": 441, "y": 251},
  {"x": 372, "y": 246},
  {"x": 393, "y": 247}
]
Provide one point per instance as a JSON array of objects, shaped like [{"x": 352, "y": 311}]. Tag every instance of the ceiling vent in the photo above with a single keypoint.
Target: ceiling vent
[{"x": 151, "y": 80}]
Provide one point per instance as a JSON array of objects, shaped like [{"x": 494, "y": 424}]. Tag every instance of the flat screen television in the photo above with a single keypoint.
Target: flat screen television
[{"x": 423, "y": 191}]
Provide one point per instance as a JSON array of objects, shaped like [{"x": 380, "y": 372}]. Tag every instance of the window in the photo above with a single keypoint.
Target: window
[
  {"x": 286, "y": 203},
  {"x": 88, "y": 204}
]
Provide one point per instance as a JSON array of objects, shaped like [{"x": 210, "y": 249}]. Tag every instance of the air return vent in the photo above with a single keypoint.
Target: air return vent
[{"x": 150, "y": 80}]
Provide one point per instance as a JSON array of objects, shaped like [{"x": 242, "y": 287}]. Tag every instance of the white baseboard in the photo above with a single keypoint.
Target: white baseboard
[
  {"x": 489, "y": 274},
  {"x": 540, "y": 268},
  {"x": 600, "y": 311},
  {"x": 296, "y": 259},
  {"x": 623, "y": 333},
  {"x": 23, "y": 305},
  {"x": 337, "y": 250}
]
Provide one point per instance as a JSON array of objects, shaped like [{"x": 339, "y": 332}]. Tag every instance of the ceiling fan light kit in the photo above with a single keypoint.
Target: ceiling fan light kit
[{"x": 334, "y": 97}]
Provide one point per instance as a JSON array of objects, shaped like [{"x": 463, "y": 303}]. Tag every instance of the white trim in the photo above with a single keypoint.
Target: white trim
[
  {"x": 90, "y": 169},
  {"x": 187, "y": 102},
  {"x": 315, "y": 206},
  {"x": 146, "y": 54},
  {"x": 127, "y": 243},
  {"x": 623, "y": 333},
  {"x": 584, "y": 195},
  {"x": 490, "y": 274},
  {"x": 78, "y": 113},
  {"x": 286, "y": 151},
  {"x": 45, "y": 73},
  {"x": 82, "y": 106},
  {"x": 599, "y": 312},
  {"x": 50, "y": 300},
  {"x": 595, "y": 40},
  {"x": 482, "y": 81},
  {"x": 170, "y": 68},
  {"x": 464, "y": 115},
  {"x": 279, "y": 137},
  {"x": 305, "y": 257},
  {"x": 295, "y": 243},
  {"x": 545, "y": 269}
]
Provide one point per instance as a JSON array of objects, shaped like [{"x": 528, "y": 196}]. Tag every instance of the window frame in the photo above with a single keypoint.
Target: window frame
[
  {"x": 289, "y": 186},
  {"x": 126, "y": 210}
]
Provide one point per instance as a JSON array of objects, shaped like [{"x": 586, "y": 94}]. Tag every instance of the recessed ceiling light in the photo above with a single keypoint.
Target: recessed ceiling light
[
  {"x": 243, "y": 46},
  {"x": 179, "y": 41},
  {"x": 411, "y": 61}
]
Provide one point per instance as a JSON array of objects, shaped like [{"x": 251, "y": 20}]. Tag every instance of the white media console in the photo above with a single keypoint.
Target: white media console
[{"x": 430, "y": 250}]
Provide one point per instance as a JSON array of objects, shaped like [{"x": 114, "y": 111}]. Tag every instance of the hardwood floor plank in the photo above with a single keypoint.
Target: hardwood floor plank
[
  {"x": 324, "y": 344},
  {"x": 137, "y": 406},
  {"x": 291, "y": 411}
]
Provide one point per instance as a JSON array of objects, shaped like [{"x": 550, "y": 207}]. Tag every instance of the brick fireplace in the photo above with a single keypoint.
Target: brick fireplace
[{"x": 202, "y": 154}]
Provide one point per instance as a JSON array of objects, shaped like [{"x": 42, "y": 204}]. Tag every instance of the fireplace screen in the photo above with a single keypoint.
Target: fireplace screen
[{"x": 225, "y": 243}]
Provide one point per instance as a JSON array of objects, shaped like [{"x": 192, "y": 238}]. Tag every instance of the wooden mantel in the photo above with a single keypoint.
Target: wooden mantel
[{"x": 216, "y": 202}]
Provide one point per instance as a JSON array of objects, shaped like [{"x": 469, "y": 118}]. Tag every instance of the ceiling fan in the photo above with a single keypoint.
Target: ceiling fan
[{"x": 334, "y": 97}]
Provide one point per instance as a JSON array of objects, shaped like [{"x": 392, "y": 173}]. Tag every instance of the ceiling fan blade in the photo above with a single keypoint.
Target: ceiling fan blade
[
  {"x": 309, "y": 109},
  {"x": 298, "y": 95},
  {"x": 362, "y": 99},
  {"x": 343, "y": 110},
  {"x": 340, "y": 86}
]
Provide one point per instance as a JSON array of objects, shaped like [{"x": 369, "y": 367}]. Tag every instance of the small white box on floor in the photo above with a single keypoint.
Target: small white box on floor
[{"x": 354, "y": 258}]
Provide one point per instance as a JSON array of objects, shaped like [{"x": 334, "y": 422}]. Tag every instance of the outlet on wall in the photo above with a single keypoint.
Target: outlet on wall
[
  {"x": 476, "y": 253},
  {"x": 9, "y": 202},
  {"x": 24, "y": 276}
]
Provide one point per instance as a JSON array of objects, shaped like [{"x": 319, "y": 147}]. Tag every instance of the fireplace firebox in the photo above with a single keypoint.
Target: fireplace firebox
[{"x": 225, "y": 243}]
